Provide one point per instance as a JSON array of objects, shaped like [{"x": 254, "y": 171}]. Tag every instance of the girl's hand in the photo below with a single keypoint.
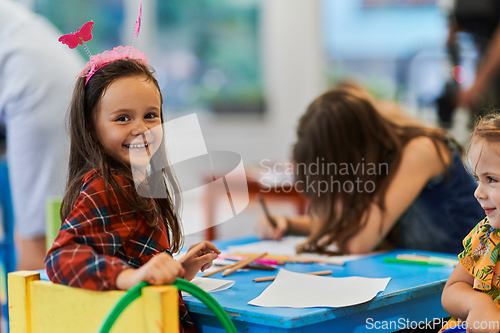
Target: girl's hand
[
  {"x": 161, "y": 269},
  {"x": 198, "y": 257},
  {"x": 460, "y": 300},
  {"x": 265, "y": 230},
  {"x": 483, "y": 319}
]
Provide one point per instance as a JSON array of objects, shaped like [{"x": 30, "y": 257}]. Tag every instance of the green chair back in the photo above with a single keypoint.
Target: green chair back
[{"x": 52, "y": 220}]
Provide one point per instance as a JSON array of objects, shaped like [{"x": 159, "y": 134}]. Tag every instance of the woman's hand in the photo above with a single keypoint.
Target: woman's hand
[
  {"x": 198, "y": 257},
  {"x": 161, "y": 269},
  {"x": 265, "y": 230}
]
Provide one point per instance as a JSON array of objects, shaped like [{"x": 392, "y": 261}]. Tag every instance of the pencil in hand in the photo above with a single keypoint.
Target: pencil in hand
[{"x": 264, "y": 208}]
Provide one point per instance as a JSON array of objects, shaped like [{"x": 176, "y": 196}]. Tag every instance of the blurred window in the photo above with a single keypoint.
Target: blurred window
[
  {"x": 207, "y": 52},
  {"x": 70, "y": 15},
  {"x": 396, "y": 48}
]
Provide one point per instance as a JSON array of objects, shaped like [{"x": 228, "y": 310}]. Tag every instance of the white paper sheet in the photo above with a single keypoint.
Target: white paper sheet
[
  {"x": 210, "y": 285},
  {"x": 297, "y": 290},
  {"x": 286, "y": 247}
]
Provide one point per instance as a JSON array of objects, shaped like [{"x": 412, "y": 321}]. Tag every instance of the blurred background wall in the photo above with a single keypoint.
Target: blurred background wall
[{"x": 249, "y": 68}]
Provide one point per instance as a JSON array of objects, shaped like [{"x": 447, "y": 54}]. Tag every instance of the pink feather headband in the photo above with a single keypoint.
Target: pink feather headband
[
  {"x": 96, "y": 62},
  {"x": 100, "y": 60}
]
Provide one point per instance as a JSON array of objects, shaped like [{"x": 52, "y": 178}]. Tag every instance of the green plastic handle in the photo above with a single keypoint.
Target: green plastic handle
[{"x": 181, "y": 284}]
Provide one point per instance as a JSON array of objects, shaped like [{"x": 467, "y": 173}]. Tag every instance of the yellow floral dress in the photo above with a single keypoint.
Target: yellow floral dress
[{"x": 480, "y": 259}]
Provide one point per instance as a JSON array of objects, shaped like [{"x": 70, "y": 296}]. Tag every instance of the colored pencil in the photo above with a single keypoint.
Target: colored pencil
[
  {"x": 263, "y": 261},
  {"x": 260, "y": 267},
  {"x": 417, "y": 257},
  {"x": 242, "y": 264},
  {"x": 219, "y": 270},
  {"x": 295, "y": 259},
  {"x": 413, "y": 262},
  {"x": 271, "y": 278}
]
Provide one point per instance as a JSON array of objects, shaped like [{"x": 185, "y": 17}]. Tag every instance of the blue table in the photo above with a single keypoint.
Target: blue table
[{"x": 412, "y": 297}]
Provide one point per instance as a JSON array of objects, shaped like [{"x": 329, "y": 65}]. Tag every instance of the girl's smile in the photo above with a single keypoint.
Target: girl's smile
[
  {"x": 128, "y": 121},
  {"x": 138, "y": 146},
  {"x": 488, "y": 211},
  {"x": 486, "y": 164}
]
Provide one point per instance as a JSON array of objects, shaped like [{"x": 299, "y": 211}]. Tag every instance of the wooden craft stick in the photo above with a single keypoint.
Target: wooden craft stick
[
  {"x": 271, "y": 278},
  {"x": 295, "y": 259},
  {"x": 220, "y": 269},
  {"x": 268, "y": 256},
  {"x": 305, "y": 259},
  {"x": 242, "y": 264}
]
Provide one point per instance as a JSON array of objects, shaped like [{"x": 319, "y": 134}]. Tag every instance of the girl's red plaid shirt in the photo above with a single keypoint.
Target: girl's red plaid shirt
[{"x": 100, "y": 238}]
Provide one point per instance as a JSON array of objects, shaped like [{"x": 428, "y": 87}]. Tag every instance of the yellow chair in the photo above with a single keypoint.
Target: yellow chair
[
  {"x": 42, "y": 306},
  {"x": 37, "y": 305}
]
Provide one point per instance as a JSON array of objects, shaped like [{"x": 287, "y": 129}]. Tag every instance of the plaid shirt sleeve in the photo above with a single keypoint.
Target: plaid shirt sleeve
[{"x": 83, "y": 254}]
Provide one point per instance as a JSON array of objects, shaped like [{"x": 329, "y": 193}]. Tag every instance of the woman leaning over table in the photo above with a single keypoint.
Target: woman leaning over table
[{"x": 386, "y": 180}]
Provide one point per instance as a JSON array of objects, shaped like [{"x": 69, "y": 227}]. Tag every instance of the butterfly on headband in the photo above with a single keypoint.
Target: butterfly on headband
[{"x": 84, "y": 34}]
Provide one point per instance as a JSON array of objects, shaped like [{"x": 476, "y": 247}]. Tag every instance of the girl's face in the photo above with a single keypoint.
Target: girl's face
[
  {"x": 128, "y": 121},
  {"x": 486, "y": 163}
]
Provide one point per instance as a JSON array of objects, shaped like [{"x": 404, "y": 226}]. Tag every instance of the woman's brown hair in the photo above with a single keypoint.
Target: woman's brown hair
[
  {"x": 352, "y": 144},
  {"x": 87, "y": 153}
]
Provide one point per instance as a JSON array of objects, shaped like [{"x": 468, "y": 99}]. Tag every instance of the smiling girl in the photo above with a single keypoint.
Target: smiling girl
[
  {"x": 472, "y": 292},
  {"x": 112, "y": 237}
]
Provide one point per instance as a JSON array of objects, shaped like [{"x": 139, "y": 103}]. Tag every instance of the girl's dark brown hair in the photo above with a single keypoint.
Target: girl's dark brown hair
[
  {"x": 87, "y": 153},
  {"x": 343, "y": 126}
]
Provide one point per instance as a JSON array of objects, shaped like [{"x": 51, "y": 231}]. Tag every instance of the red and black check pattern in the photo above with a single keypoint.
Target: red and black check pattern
[{"x": 96, "y": 243}]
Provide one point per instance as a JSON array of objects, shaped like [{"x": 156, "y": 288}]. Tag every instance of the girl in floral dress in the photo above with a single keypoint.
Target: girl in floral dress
[{"x": 472, "y": 294}]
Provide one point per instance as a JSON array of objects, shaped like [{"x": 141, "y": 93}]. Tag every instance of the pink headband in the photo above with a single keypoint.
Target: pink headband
[
  {"x": 96, "y": 62},
  {"x": 100, "y": 60}
]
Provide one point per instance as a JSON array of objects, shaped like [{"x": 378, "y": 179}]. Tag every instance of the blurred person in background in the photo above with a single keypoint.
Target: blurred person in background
[
  {"x": 480, "y": 20},
  {"x": 37, "y": 75},
  {"x": 376, "y": 179}
]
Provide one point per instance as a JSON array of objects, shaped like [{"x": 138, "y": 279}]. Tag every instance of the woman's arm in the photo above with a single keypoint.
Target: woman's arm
[
  {"x": 420, "y": 162},
  {"x": 393, "y": 112},
  {"x": 487, "y": 71}
]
